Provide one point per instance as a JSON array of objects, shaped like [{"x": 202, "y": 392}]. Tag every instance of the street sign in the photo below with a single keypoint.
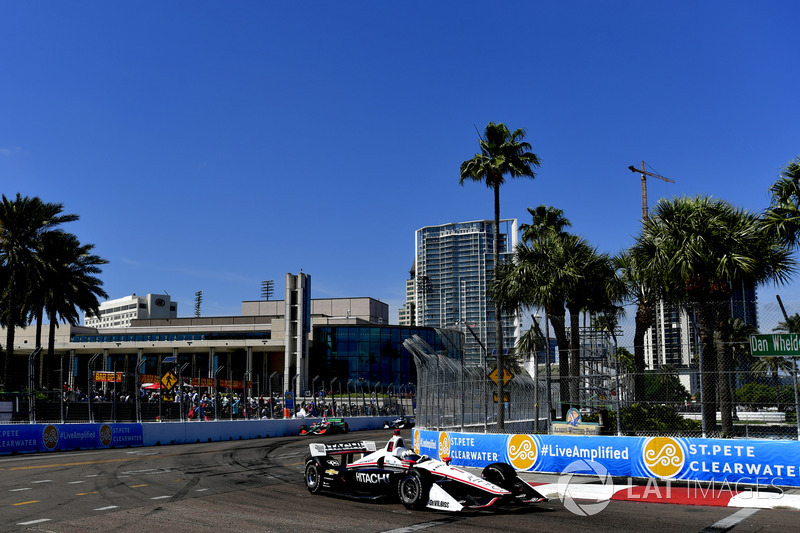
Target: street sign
[
  {"x": 169, "y": 380},
  {"x": 775, "y": 345},
  {"x": 170, "y": 359},
  {"x": 505, "y": 397},
  {"x": 507, "y": 376}
]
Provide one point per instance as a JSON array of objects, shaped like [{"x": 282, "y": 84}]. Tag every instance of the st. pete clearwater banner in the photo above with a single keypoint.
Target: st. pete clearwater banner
[
  {"x": 733, "y": 461},
  {"x": 22, "y": 438}
]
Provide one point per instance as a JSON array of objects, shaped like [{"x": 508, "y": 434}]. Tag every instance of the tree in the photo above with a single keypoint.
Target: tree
[
  {"x": 698, "y": 247},
  {"x": 69, "y": 281},
  {"x": 556, "y": 271},
  {"x": 641, "y": 287},
  {"x": 503, "y": 153},
  {"x": 23, "y": 223},
  {"x": 782, "y": 218}
]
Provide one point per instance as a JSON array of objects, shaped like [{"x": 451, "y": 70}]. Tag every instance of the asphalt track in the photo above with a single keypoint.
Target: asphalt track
[{"x": 256, "y": 485}]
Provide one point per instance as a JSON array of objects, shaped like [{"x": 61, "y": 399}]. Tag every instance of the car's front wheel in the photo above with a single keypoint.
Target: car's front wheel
[
  {"x": 501, "y": 474},
  {"x": 313, "y": 477},
  {"x": 411, "y": 491}
]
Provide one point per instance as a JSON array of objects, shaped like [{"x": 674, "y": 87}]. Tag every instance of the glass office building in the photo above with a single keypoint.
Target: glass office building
[{"x": 370, "y": 354}]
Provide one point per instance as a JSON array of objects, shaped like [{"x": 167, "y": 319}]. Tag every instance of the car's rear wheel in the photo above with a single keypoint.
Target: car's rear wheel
[
  {"x": 501, "y": 474},
  {"x": 313, "y": 477},
  {"x": 411, "y": 491},
  {"x": 346, "y": 428}
]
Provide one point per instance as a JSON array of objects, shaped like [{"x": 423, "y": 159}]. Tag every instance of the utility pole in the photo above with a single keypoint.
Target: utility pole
[{"x": 644, "y": 174}]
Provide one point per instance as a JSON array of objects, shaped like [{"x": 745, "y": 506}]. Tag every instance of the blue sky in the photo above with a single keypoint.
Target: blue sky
[{"x": 212, "y": 145}]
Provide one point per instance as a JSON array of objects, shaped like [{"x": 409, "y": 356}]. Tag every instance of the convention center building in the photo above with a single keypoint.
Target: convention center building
[{"x": 296, "y": 344}]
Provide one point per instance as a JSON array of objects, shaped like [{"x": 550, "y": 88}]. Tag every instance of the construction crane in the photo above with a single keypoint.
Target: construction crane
[{"x": 644, "y": 174}]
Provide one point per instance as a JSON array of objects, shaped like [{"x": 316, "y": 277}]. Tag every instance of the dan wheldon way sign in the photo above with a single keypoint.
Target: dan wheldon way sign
[{"x": 775, "y": 345}]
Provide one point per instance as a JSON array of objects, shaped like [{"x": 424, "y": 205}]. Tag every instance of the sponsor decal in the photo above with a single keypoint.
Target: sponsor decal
[
  {"x": 663, "y": 457},
  {"x": 331, "y": 472},
  {"x": 50, "y": 437},
  {"x": 439, "y": 503},
  {"x": 522, "y": 451},
  {"x": 444, "y": 445},
  {"x": 365, "y": 477},
  {"x": 105, "y": 435},
  {"x": 333, "y": 462}
]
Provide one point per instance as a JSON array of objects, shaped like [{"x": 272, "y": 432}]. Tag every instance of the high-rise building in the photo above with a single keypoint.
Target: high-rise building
[
  {"x": 454, "y": 264},
  {"x": 119, "y": 312},
  {"x": 673, "y": 340},
  {"x": 405, "y": 315}
]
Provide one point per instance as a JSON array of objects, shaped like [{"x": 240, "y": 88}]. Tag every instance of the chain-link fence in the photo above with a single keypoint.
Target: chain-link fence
[{"x": 679, "y": 371}]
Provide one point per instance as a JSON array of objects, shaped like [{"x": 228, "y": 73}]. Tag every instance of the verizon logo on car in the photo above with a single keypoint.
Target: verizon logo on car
[{"x": 364, "y": 477}]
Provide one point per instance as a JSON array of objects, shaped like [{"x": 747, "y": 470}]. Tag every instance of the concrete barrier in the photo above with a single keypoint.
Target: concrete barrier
[{"x": 31, "y": 438}]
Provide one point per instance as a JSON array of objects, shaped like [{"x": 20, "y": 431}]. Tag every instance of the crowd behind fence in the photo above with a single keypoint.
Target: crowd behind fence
[{"x": 101, "y": 403}]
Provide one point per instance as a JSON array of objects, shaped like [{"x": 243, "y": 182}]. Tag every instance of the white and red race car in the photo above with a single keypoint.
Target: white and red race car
[{"x": 360, "y": 470}]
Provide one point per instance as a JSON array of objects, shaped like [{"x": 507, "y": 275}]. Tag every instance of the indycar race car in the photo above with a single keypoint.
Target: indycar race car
[
  {"x": 326, "y": 426},
  {"x": 399, "y": 423},
  {"x": 417, "y": 481}
]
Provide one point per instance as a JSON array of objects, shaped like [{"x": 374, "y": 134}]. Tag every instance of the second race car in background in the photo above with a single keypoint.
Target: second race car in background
[{"x": 326, "y": 426}]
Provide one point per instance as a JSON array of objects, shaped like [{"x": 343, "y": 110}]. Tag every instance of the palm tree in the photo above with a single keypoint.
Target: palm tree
[
  {"x": 698, "y": 247},
  {"x": 545, "y": 219},
  {"x": 23, "y": 222},
  {"x": 596, "y": 289},
  {"x": 502, "y": 153},
  {"x": 70, "y": 283},
  {"x": 644, "y": 291},
  {"x": 783, "y": 216}
]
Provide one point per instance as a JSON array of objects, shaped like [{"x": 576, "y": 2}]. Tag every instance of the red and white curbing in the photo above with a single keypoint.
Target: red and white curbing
[{"x": 719, "y": 496}]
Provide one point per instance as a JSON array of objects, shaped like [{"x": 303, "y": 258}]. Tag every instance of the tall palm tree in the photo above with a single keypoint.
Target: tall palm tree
[
  {"x": 70, "y": 281},
  {"x": 699, "y": 247},
  {"x": 23, "y": 222},
  {"x": 503, "y": 153},
  {"x": 595, "y": 290},
  {"x": 547, "y": 271}
]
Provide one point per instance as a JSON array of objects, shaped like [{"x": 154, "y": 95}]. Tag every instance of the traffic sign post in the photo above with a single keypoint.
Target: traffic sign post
[{"x": 780, "y": 345}]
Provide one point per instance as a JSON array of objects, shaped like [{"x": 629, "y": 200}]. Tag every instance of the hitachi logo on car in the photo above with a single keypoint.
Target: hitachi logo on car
[{"x": 363, "y": 477}]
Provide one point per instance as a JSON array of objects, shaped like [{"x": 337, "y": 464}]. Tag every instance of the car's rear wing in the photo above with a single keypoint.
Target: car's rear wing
[{"x": 321, "y": 449}]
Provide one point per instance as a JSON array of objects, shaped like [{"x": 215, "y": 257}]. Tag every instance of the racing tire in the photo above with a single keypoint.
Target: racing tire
[
  {"x": 346, "y": 428},
  {"x": 501, "y": 474},
  {"x": 411, "y": 492},
  {"x": 303, "y": 429},
  {"x": 313, "y": 477}
]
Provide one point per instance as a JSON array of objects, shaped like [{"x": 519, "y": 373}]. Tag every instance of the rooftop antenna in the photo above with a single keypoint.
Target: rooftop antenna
[
  {"x": 198, "y": 299},
  {"x": 267, "y": 288}
]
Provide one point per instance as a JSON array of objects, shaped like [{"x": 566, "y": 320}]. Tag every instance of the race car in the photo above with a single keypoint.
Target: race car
[
  {"x": 419, "y": 482},
  {"x": 399, "y": 423},
  {"x": 326, "y": 426}
]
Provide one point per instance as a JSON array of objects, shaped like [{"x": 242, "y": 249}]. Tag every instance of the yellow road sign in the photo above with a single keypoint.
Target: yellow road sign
[
  {"x": 507, "y": 376},
  {"x": 169, "y": 380},
  {"x": 506, "y": 398}
]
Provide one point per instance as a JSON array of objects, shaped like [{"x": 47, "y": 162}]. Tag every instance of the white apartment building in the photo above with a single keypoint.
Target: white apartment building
[
  {"x": 118, "y": 313},
  {"x": 454, "y": 263}
]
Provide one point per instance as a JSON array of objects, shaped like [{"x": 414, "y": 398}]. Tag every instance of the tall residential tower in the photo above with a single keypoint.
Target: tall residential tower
[{"x": 453, "y": 268}]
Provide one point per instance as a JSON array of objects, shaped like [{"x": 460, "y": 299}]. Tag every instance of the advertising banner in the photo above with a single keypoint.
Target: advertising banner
[
  {"x": 51, "y": 437},
  {"x": 758, "y": 462}
]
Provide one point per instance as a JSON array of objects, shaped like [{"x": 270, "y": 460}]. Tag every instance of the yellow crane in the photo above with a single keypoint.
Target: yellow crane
[{"x": 644, "y": 174}]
